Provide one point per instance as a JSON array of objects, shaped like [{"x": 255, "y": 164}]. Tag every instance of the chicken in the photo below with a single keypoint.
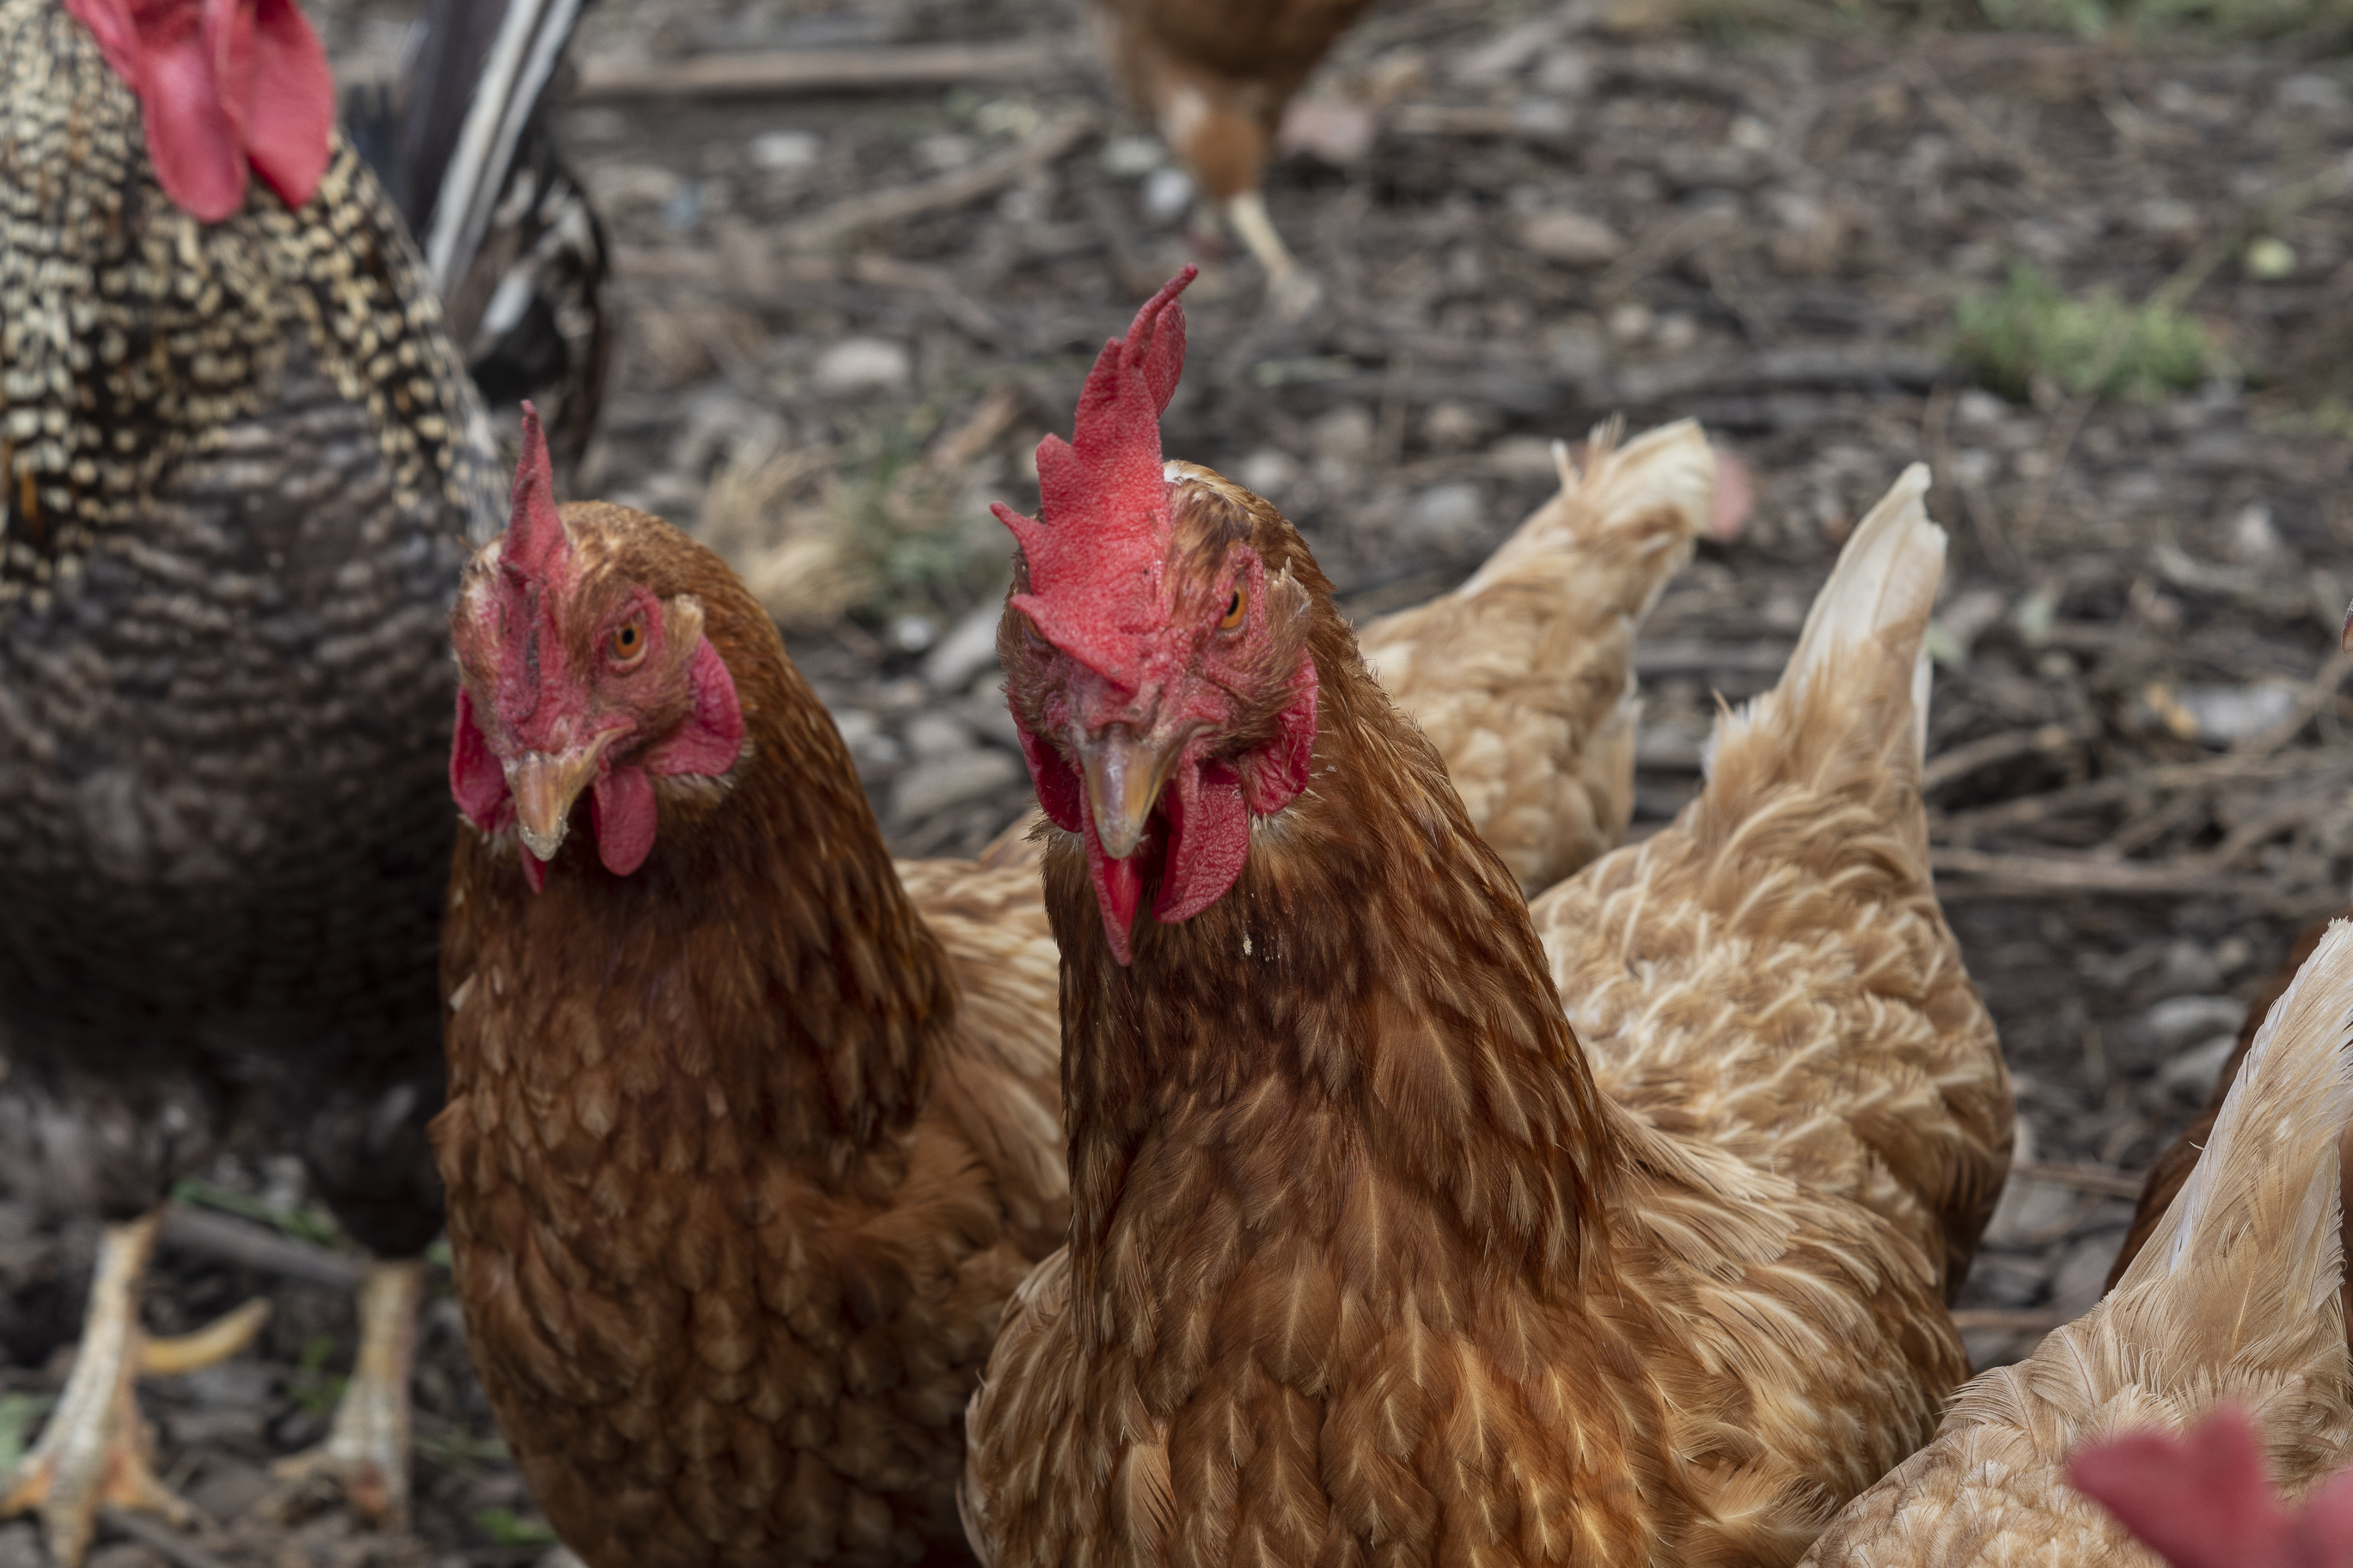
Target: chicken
[
  {"x": 1523, "y": 677},
  {"x": 1363, "y": 1262},
  {"x": 750, "y": 1132},
  {"x": 244, "y": 463},
  {"x": 1215, "y": 75},
  {"x": 519, "y": 260},
  {"x": 2201, "y": 1501},
  {"x": 2236, "y": 1301}
]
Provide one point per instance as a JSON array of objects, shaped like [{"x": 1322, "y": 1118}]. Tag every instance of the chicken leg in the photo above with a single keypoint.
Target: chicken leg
[
  {"x": 366, "y": 1450},
  {"x": 1290, "y": 288},
  {"x": 96, "y": 1449}
]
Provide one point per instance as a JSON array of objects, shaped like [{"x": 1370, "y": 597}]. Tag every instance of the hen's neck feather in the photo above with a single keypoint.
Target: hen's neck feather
[
  {"x": 766, "y": 941},
  {"x": 1368, "y": 1002}
]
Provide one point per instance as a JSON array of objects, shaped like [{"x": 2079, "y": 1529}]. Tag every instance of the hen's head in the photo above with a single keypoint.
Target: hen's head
[
  {"x": 1156, "y": 659},
  {"x": 223, "y": 84},
  {"x": 2202, "y": 1500},
  {"x": 580, "y": 668}
]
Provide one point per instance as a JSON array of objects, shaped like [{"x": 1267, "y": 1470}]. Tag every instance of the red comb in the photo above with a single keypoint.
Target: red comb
[
  {"x": 1096, "y": 557},
  {"x": 2203, "y": 1500},
  {"x": 535, "y": 537},
  {"x": 534, "y": 567}
]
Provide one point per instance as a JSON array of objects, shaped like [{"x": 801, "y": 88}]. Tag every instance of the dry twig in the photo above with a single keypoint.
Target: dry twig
[{"x": 783, "y": 72}]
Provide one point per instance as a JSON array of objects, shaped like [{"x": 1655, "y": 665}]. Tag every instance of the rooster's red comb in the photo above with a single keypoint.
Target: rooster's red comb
[
  {"x": 1096, "y": 549},
  {"x": 536, "y": 544}
]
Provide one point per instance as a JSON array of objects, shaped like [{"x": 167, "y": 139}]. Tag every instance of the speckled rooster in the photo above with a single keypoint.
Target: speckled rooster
[{"x": 242, "y": 469}]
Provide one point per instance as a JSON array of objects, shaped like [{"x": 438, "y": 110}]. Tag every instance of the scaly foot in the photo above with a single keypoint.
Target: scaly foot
[
  {"x": 366, "y": 1451},
  {"x": 96, "y": 1449}
]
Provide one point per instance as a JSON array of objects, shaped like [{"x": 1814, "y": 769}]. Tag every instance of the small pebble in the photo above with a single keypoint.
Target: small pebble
[
  {"x": 937, "y": 734},
  {"x": 2192, "y": 1072},
  {"x": 936, "y": 785},
  {"x": 1167, "y": 195},
  {"x": 777, "y": 150},
  {"x": 969, "y": 647},
  {"x": 913, "y": 634},
  {"x": 2179, "y": 1021},
  {"x": 1571, "y": 238},
  {"x": 1132, "y": 157},
  {"x": 857, "y": 365},
  {"x": 1442, "y": 512},
  {"x": 1269, "y": 472}
]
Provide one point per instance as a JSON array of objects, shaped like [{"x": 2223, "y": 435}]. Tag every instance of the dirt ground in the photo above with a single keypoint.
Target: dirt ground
[{"x": 845, "y": 320}]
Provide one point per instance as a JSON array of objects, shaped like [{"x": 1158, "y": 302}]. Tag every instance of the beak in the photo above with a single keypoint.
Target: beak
[
  {"x": 546, "y": 784},
  {"x": 1123, "y": 778}
]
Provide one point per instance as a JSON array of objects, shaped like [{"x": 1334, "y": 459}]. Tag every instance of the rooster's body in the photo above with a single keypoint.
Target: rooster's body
[
  {"x": 244, "y": 467},
  {"x": 511, "y": 241}
]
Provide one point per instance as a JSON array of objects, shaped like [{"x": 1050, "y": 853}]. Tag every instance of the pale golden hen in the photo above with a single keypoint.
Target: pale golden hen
[
  {"x": 1523, "y": 677},
  {"x": 2236, "y": 1300}
]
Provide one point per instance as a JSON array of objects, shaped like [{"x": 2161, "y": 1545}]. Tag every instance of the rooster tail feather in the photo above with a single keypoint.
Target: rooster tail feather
[
  {"x": 2253, "y": 1237},
  {"x": 521, "y": 62}
]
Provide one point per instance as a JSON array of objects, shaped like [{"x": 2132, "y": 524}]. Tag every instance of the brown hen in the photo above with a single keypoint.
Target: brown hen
[
  {"x": 750, "y": 1131},
  {"x": 1364, "y": 1263},
  {"x": 1215, "y": 75}
]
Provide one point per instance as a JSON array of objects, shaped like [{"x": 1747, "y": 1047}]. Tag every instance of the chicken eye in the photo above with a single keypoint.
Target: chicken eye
[
  {"x": 1236, "y": 608},
  {"x": 627, "y": 643}
]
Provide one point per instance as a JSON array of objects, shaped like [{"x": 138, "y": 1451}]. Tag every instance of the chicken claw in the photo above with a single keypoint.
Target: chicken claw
[
  {"x": 96, "y": 1449},
  {"x": 366, "y": 1450}
]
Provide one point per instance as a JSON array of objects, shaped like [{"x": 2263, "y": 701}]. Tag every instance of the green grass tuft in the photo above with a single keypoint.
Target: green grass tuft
[
  {"x": 508, "y": 1529},
  {"x": 19, "y": 1414},
  {"x": 2097, "y": 344}
]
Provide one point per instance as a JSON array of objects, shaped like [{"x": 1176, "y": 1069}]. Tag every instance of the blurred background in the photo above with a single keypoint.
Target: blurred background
[{"x": 2093, "y": 262}]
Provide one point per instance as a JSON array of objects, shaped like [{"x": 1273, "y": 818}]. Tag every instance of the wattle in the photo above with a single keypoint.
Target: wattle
[
  {"x": 1209, "y": 839},
  {"x": 622, "y": 810},
  {"x": 476, "y": 779}
]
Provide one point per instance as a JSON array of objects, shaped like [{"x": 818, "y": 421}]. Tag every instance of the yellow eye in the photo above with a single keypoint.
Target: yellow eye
[
  {"x": 627, "y": 643},
  {"x": 1236, "y": 608}
]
